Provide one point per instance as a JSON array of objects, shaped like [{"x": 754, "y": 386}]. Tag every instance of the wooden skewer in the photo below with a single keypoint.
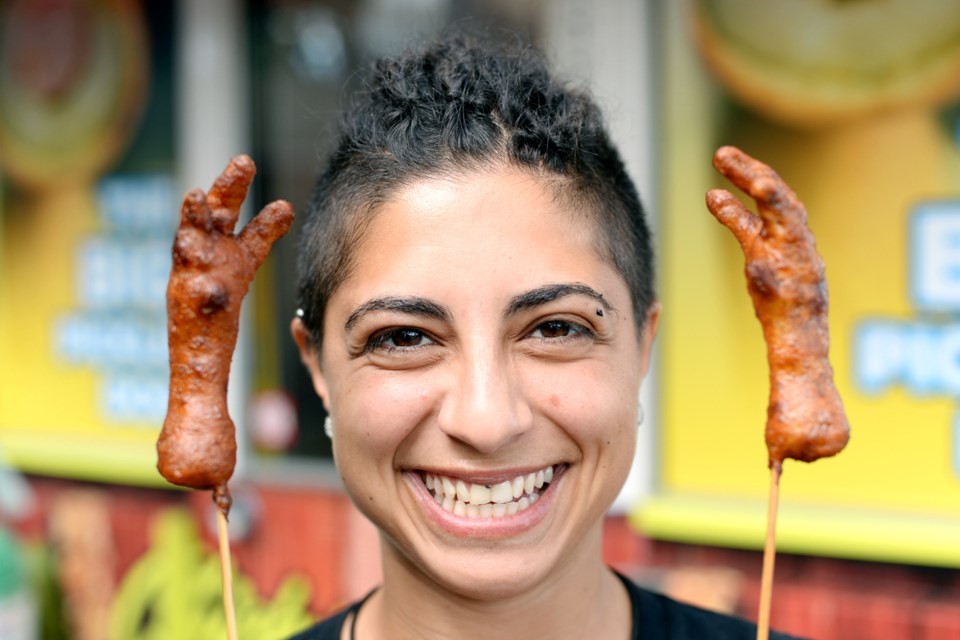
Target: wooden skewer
[
  {"x": 226, "y": 573},
  {"x": 769, "y": 553}
]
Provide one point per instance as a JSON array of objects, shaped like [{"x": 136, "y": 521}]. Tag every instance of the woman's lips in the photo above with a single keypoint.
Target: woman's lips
[{"x": 491, "y": 519}]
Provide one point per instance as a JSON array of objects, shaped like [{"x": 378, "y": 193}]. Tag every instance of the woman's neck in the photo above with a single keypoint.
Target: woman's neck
[{"x": 581, "y": 598}]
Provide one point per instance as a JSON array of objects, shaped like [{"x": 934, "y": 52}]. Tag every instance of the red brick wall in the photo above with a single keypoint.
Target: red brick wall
[
  {"x": 305, "y": 535},
  {"x": 318, "y": 535},
  {"x": 823, "y": 598}
]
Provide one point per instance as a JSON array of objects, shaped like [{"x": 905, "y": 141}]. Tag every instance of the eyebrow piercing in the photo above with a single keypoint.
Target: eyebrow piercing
[{"x": 600, "y": 312}]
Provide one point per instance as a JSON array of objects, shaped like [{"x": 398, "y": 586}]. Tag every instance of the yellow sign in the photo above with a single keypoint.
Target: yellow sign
[
  {"x": 83, "y": 259},
  {"x": 83, "y": 377},
  {"x": 883, "y": 195}
]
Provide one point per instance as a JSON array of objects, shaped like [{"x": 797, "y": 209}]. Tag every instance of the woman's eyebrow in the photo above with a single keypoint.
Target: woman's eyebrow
[
  {"x": 551, "y": 292},
  {"x": 413, "y": 305}
]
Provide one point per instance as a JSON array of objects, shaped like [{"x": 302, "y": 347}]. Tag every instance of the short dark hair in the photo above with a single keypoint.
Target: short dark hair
[{"x": 468, "y": 102}]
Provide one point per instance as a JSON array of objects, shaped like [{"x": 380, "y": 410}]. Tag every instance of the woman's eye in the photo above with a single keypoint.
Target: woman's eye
[
  {"x": 553, "y": 329},
  {"x": 402, "y": 338}
]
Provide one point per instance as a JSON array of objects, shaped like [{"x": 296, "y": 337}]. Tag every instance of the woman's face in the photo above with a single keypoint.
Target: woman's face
[{"x": 482, "y": 368}]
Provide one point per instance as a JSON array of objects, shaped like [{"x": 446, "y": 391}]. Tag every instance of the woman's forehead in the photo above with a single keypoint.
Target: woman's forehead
[
  {"x": 484, "y": 230},
  {"x": 458, "y": 198},
  {"x": 506, "y": 213}
]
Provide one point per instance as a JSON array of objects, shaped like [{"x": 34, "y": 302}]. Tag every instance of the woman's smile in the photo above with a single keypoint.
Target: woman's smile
[
  {"x": 485, "y": 507},
  {"x": 482, "y": 367}
]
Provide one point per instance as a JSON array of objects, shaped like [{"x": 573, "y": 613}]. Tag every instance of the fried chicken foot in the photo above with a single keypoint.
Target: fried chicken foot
[
  {"x": 212, "y": 271},
  {"x": 785, "y": 279}
]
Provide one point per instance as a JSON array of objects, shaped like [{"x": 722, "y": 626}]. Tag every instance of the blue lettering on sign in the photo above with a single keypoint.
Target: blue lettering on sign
[
  {"x": 921, "y": 355},
  {"x": 935, "y": 257},
  {"x": 923, "y": 358},
  {"x": 119, "y": 329},
  {"x": 116, "y": 273},
  {"x": 138, "y": 204},
  {"x": 134, "y": 397},
  {"x": 111, "y": 342}
]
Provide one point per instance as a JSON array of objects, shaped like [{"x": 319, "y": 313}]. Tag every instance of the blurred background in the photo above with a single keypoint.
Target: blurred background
[{"x": 111, "y": 109}]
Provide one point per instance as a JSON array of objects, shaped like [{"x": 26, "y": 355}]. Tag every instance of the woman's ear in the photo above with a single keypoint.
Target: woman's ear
[
  {"x": 310, "y": 356},
  {"x": 646, "y": 338}
]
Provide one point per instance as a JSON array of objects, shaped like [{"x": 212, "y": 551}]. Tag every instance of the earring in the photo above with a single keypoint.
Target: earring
[
  {"x": 328, "y": 427},
  {"x": 640, "y": 415}
]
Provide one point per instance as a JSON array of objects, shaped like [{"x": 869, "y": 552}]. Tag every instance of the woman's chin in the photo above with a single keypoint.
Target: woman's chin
[
  {"x": 495, "y": 571},
  {"x": 489, "y": 578}
]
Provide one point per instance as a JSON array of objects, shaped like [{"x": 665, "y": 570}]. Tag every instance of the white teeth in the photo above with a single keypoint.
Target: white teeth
[
  {"x": 469, "y": 500},
  {"x": 448, "y": 488},
  {"x": 529, "y": 483},
  {"x": 517, "y": 487},
  {"x": 479, "y": 494},
  {"x": 501, "y": 493},
  {"x": 489, "y": 510}
]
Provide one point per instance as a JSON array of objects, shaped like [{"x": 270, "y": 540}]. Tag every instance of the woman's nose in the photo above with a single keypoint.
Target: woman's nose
[{"x": 485, "y": 407}]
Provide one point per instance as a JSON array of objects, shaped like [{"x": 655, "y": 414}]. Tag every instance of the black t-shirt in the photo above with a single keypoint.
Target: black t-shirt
[{"x": 655, "y": 617}]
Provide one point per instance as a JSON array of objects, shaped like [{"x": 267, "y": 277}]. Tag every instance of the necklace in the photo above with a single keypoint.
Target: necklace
[{"x": 356, "y": 614}]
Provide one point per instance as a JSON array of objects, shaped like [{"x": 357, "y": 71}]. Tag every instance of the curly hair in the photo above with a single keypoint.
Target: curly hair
[{"x": 466, "y": 103}]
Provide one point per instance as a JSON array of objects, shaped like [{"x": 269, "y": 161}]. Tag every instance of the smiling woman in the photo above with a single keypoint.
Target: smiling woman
[{"x": 477, "y": 315}]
